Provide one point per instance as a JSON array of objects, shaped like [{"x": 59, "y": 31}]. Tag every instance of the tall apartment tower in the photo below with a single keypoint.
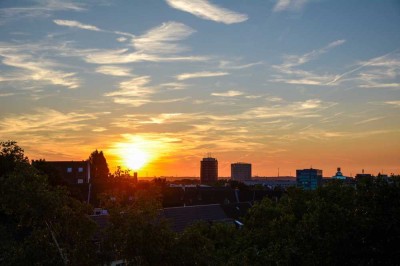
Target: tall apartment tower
[
  {"x": 309, "y": 179},
  {"x": 240, "y": 171},
  {"x": 209, "y": 170}
]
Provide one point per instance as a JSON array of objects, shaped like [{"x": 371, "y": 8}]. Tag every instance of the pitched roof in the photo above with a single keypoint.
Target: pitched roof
[{"x": 181, "y": 217}]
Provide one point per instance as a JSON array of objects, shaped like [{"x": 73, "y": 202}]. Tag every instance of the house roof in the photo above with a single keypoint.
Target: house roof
[{"x": 181, "y": 217}]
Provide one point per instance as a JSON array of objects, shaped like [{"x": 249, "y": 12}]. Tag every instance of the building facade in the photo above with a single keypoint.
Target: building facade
[
  {"x": 309, "y": 179},
  {"x": 208, "y": 170},
  {"x": 72, "y": 172},
  {"x": 241, "y": 171}
]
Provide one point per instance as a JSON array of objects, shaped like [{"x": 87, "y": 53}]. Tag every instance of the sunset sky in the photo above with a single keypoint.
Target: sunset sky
[{"x": 285, "y": 84}]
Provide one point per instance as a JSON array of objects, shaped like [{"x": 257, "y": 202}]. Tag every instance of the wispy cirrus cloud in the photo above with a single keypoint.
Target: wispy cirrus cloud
[
  {"x": 164, "y": 117},
  {"x": 313, "y": 133},
  {"x": 206, "y": 10},
  {"x": 291, "y": 5},
  {"x": 174, "y": 85},
  {"x": 226, "y": 130},
  {"x": 61, "y": 5},
  {"x": 231, "y": 65},
  {"x": 35, "y": 69},
  {"x": 159, "y": 44},
  {"x": 114, "y": 71},
  {"x": 368, "y": 120},
  {"x": 82, "y": 26},
  {"x": 123, "y": 56},
  {"x": 227, "y": 94},
  {"x": 41, "y": 9},
  {"x": 43, "y": 120},
  {"x": 304, "y": 109},
  {"x": 122, "y": 39},
  {"x": 75, "y": 24},
  {"x": 377, "y": 72},
  {"x": 203, "y": 74},
  {"x": 163, "y": 39},
  {"x": 297, "y": 60},
  {"x": 394, "y": 103},
  {"x": 289, "y": 72},
  {"x": 133, "y": 92},
  {"x": 6, "y": 94}
]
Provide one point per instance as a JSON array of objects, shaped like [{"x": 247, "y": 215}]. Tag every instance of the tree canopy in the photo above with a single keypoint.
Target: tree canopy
[
  {"x": 337, "y": 224},
  {"x": 98, "y": 166},
  {"x": 40, "y": 224}
]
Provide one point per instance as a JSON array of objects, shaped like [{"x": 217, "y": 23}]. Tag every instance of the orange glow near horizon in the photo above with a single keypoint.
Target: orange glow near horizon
[
  {"x": 135, "y": 158},
  {"x": 136, "y": 152}
]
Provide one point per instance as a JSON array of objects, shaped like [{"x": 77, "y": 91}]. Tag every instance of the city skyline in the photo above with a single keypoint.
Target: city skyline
[{"x": 156, "y": 85}]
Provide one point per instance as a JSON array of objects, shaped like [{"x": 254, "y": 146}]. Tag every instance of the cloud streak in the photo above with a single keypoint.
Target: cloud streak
[
  {"x": 159, "y": 44},
  {"x": 133, "y": 92},
  {"x": 227, "y": 94},
  {"x": 205, "y": 10},
  {"x": 36, "y": 69},
  {"x": 203, "y": 74},
  {"x": 75, "y": 24},
  {"x": 44, "y": 120},
  {"x": 378, "y": 72},
  {"x": 162, "y": 39},
  {"x": 292, "y": 5},
  {"x": 290, "y": 73},
  {"x": 114, "y": 71},
  {"x": 42, "y": 9},
  {"x": 394, "y": 103}
]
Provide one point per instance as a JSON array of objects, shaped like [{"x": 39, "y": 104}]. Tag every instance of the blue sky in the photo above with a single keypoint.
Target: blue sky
[{"x": 287, "y": 83}]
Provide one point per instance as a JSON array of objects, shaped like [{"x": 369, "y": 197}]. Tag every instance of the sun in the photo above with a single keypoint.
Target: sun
[
  {"x": 137, "y": 152},
  {"x": 135, "y": 158}
]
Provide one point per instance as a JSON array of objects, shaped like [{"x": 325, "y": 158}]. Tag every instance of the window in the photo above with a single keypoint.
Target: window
[
  {"x": 69, "y": 170},
  {"x": 80, "y": 181},
  {"x": 80, "y": 169}
]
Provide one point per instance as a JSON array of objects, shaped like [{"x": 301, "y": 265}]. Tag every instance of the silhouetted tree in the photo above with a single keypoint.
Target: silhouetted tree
[
  {"x": 136, "y": 232},
  {"x": 98, "y": 166},
  {"x": 52, "y": 173},
  {"x": 39, "y": 224},
  {"x": 333, "y": 225},
  {"x": 10, "y": 156}
]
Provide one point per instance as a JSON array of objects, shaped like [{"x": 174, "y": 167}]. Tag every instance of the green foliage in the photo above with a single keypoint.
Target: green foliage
[
  {"x": 205, "y": 244},
  {"x": 334, "y": 225},
  {"x": 40, "y": 225},
  {"x": 136, "y": 233}
]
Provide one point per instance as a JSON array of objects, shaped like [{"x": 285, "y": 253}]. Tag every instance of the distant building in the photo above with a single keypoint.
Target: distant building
[
  {"x": 209, "y": 170},
  {"x": 363, "y": 176},
  {"x": 309, "y": 179},
  {"x": 339, "y": 175},
  {"x": 272, "y": 183},
  {"x": 72, "y": 172},
  {"x": 241, "y": 171}
]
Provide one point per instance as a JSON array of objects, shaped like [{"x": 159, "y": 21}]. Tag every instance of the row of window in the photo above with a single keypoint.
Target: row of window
[{"x": 69, "y": 169}]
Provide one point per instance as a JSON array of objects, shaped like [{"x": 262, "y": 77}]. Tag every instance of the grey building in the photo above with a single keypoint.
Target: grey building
[{"x": 241, "y": 171}]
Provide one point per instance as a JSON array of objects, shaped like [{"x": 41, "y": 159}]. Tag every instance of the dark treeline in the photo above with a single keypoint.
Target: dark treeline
[{"x": 41, "y": 223}]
